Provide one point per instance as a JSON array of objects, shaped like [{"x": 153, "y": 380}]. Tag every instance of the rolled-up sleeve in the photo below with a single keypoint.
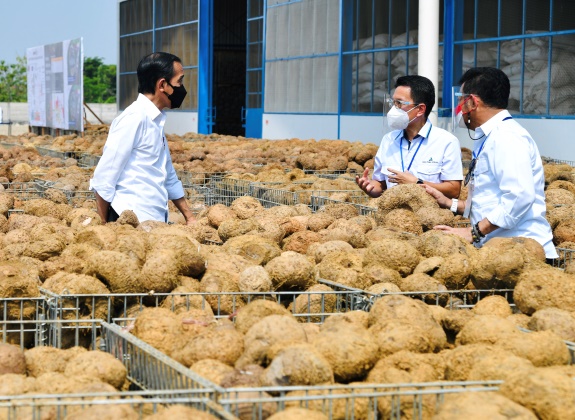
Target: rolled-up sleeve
[
  {"x": 173, "y": 184},
  {"x": 451, "y": 167},
  {"x": 512, "y": 169},
  {"x": 121, "y": 140}
]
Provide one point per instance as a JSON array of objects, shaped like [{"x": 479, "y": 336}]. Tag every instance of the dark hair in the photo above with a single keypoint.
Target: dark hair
[
  {"x": 422, "y": 90},
  {"x": 155, "y": 66},
  {"x": 489, "y": 83}
]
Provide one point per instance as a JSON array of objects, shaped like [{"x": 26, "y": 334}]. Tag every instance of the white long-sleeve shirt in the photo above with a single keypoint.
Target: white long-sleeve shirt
[
  {"x": 509, "y": 183},
  {"x": 135, "y": 171}
]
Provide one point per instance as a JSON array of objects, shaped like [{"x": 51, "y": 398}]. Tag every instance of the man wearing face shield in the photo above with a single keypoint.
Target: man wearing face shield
[
  {"x": 415, "y": 151},
  {"x": 505, "y": 181},
  {"x": 135, "y": 171}
]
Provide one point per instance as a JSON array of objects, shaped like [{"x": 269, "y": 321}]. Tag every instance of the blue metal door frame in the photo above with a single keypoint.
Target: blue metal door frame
[{"x": 206, "y": 114}]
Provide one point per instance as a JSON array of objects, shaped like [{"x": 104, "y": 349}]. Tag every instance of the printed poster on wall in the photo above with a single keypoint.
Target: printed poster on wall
[{"x": 55, "y": 85}]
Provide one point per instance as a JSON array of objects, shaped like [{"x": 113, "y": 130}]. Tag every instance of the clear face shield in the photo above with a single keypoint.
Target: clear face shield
[{"x": 455, "y": 106}]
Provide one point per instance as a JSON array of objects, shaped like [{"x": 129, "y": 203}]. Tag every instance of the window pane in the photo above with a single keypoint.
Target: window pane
[
  {"x": 128, "y": 90},
  {"x": 255, "y": 8},
  {"x": 254, "y": 81},
  {"x": 135, "y": 16},
  {"x": 181, "y": 41},
  {"x": 254, "y": 56},
  {"x": 255, "y": 32},
  {"x": 191, "y": 83},
  {"x": 511, "y": 17},
  {"x": 562, "y": 75},
  {"x": 171, "y": 12},
  {"x": 563, "y": 12},
  {"x": 537, "y": 18},
  {"x": 132, "y": 49}
]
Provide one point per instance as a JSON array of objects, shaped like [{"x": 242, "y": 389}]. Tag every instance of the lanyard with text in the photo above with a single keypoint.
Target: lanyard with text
[{"x": 417, "y": 150}]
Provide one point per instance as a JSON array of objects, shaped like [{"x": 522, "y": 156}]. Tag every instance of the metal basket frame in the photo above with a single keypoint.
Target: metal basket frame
[
  {"x": 566, "y": 257},
  {"x": 65, "y": 306},
  {"x": 59, "y": 406},
  {"x": 450, "y": 299},
  {"x": 147, "y": 367},
  {"x": 399, "y": 395}
]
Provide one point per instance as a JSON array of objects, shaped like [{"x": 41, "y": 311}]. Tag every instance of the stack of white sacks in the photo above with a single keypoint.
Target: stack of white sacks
[{"x": 535, "y": 78}]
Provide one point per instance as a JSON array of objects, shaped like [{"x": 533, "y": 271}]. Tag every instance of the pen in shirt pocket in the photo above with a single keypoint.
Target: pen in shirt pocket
[{"x": 164, "y": 141}]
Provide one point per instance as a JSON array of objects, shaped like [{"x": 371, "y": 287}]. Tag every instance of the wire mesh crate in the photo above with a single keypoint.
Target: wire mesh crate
[
  {"x": 147, "y": 368},
  {"x": 462, "y": 224},
  {"x": 143, "y": 403},
  {"x": 45, "y": 151},
  {"x": 312, "y": 306},
  {"x": 357, "y": 198},
  {"x": 373, "y": 401},
  {"x": 348, "y": 174},
  {"x": 224, "y": 190},
  {"x": 566, "y": 257},
  {"x": 203, "y": 179},
  {"x": 87, "y": 160},
  {"x": 557, "y": 161},
  {"x": 24, "y": 190},
  {"x": 451, "y": 299},
  {"x": 17, "y": 317}
]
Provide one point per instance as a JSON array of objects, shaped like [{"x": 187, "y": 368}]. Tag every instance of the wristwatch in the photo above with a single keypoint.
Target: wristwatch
[
  {"x": 453, "y": 207},
  {"x": 419, "y": 181}
]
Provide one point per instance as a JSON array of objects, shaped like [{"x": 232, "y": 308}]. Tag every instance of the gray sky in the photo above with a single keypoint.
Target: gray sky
[{"x": 29, "y": 23}]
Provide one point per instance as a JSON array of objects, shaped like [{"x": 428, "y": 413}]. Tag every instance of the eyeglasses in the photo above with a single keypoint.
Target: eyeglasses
[
  {"x": 461, "y": 95},
  {"x": 470, "y": 172},
  {"x": 397, "y": 103}
]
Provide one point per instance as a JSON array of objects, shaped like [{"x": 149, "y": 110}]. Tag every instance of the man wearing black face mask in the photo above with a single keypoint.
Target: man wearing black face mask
[{"x": 135, "y": 171}]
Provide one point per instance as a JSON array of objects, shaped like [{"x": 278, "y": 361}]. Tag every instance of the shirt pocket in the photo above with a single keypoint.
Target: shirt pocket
[
  {"x": 481, "y": 167},
  {"x": 430, "y": 172}
]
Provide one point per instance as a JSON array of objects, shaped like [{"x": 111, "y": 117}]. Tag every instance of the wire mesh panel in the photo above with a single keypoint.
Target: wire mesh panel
[
  {"x": 224, "y": 190},
  {"x": 306, "y": 306},
  {"x": 45, "y": 151},
  {"x": 18, "y": 317},
  {"x": 357, "y": 198},
  {"x": 451, "y": 299},
  {"x": 373, "y": 401},
  {"x": 87, "y": 160},
  {"x": 147, "y": 367},
  {"x": 566, "y": 257},
  {"x": 24, "y": 190},
  {"x": 557, "y": 161},
  {"x": 136, "y": 404}
]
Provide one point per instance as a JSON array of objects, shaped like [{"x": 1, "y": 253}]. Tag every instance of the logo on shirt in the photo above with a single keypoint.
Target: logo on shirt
[{"x": 430, "y": 160}]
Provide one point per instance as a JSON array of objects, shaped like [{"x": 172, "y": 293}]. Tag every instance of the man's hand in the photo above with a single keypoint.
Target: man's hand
[
  {"x": 183, "y": 207},
  {"x": 372, "y": 188},
  {"x": 398, "y": 177},
  {"x": 442, "y": 200},
  {"x": 465, "y": 233}
]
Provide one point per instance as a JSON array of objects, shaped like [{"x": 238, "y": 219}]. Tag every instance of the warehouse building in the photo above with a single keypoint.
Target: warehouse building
[{"x": 322, "y": 68}]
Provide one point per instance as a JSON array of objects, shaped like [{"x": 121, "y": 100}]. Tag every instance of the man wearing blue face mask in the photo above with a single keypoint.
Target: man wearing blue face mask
[
  {"x": 135, "y": 171},
  {"x": 414, "y": 152}
]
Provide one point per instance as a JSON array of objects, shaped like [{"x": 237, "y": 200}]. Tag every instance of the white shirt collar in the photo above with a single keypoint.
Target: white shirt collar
[
  {"x": 151, "y": 110},
  {"x": 488, "y": 126}
]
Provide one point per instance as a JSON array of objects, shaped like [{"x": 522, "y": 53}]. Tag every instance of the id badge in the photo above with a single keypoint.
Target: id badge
[{"x": 470, "y": 188}]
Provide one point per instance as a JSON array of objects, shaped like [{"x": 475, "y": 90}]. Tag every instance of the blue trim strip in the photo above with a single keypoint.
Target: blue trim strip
[
  {"x": 205, "y": 66},
  {"x": 448, "y": 30}
]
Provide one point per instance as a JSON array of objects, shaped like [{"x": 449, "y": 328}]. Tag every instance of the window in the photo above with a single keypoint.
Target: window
[
  {"x": 302, "y": 53},
  {"x": 539, "y": 62},
  {"x": 379, "y": 45}
]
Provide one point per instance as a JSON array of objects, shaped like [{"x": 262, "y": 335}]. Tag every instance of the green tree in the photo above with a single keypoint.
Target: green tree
[
  {"x": 13, "y": 81},
  {"x": 99, "y": 81}
]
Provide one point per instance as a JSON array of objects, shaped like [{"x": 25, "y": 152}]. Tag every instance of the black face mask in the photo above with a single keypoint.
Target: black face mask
[{"x": 177, "y": 96}]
